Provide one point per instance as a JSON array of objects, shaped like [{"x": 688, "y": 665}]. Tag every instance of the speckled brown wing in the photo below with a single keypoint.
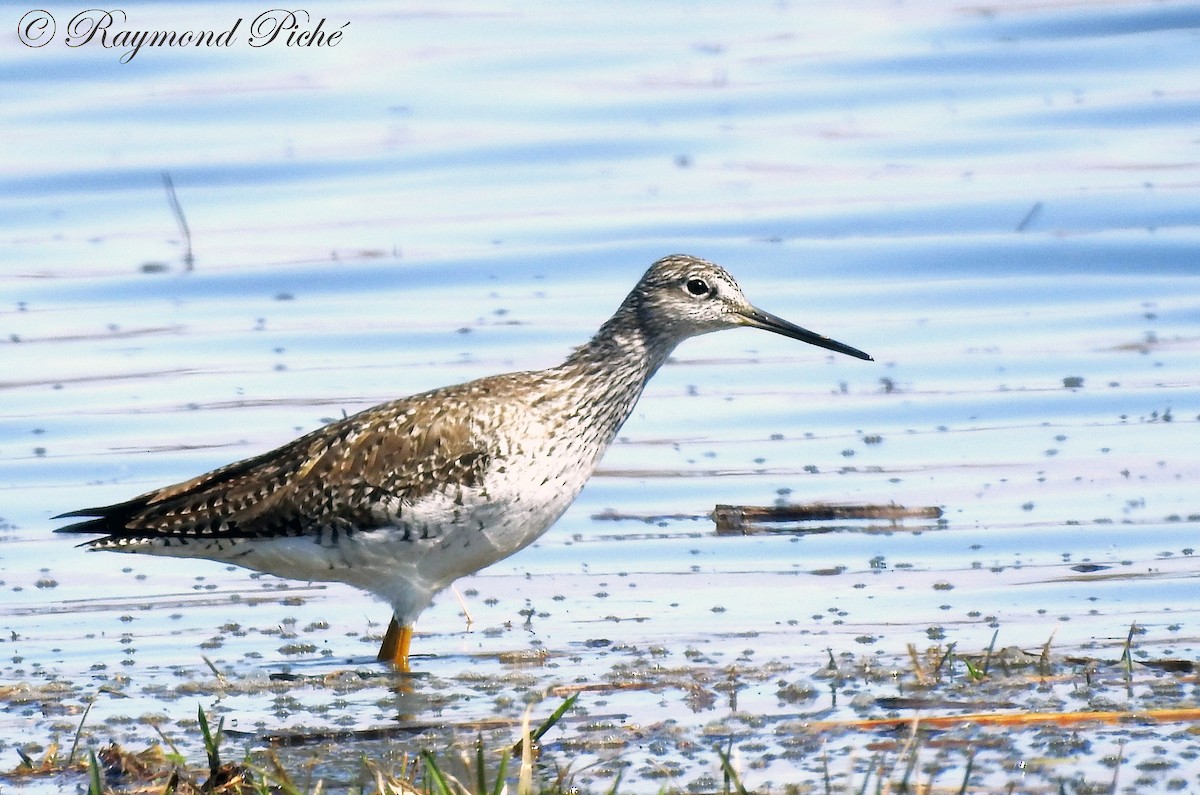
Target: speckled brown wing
[{"x": 338, "y": 478}]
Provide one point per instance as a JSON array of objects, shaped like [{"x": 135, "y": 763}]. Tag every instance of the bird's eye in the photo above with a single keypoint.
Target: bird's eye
[{"x": 698, "y": 287}]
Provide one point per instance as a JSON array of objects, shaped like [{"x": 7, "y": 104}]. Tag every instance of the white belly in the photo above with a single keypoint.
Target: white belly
[{"x": 441, "y": 537}]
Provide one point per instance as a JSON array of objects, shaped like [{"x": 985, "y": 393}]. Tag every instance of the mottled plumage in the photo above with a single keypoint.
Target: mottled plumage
[{"x": 403, "y": 498}]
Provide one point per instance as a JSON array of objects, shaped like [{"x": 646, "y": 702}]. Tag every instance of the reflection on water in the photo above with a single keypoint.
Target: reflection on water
[{"x": 999, "y": 205}]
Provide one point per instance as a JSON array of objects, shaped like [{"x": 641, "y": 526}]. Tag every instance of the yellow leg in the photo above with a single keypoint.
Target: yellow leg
[{"x": 396, "y": 644}]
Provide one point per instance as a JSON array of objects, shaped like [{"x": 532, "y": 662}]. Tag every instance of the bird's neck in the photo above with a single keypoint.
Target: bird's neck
[
  {"x": 605, "y": 376},
  {"x": 623, "y": 350}
]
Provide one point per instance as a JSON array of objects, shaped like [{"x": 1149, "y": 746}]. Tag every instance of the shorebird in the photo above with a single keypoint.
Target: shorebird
[{"x": 404, "y": 498}]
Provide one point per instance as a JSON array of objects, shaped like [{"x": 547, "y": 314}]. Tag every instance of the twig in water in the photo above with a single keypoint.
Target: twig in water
[
  {"x": 1030, "y": 217},
  {"x": 967, "y": 775},
  {"x": 177, "y": 208},
  {"x": 825, "y": 768},
  {"x": 220, "y": 676},
  {"x": 1044, "y": 661},
  {"x": 1127, "y": 658},
  {"x": 987, "y": 661},
  {"x": 947, "y": 655},
  {"x": 733, "y": 782},
  {"x": 463, "y": 604},
  {"x": 918, "y": 669},
  {"x": 1117, "y": 766}
]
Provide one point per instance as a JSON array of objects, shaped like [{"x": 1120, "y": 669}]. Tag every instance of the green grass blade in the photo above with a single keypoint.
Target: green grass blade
[
  {"x": 211, "y": 744},
  {"x": 439, "y": 784},
  {"x": 480, "y": 771},
  {"x": 95, "y": 784},
  {"x": 498, "y": 785},
  {"x": 555, "y": 717},
  {"x": 616, "y": 783},
  {"x": 79, "y": 731}
]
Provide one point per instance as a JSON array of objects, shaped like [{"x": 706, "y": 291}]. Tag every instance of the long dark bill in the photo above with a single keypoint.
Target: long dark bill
[{"x": 757, "y": 318}]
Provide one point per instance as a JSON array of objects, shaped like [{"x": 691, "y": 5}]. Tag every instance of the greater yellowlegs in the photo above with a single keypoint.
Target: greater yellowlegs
[{"x": 404, "y": 498}]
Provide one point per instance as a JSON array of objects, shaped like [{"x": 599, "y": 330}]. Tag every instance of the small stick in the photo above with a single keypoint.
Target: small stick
[
  {"x": 177, "y": 208},
  {"x": 1117, "y": 766},
  {"x": 212, "y": 667},
  {"x": 918, "y": 669},
  {"x": 463, "y": 604},
  {"x": 1030, "y": 217}
]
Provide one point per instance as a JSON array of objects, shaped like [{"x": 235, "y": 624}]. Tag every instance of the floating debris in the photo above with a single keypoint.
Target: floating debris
[
  {"x": 1170, "y": 666},
  {"x": 1088, "y": 568},
  {"x": 749, "y": 519}
]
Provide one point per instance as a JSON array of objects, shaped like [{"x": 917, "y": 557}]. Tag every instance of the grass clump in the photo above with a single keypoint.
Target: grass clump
[{"x": 486, "y": 772}]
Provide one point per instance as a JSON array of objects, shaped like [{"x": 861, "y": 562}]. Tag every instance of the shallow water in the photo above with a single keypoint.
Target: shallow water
[{"x": 999, "y": 204}]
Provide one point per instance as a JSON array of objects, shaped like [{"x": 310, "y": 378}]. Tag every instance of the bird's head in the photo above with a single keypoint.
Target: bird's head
[{"x": 682, "y": 296}]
